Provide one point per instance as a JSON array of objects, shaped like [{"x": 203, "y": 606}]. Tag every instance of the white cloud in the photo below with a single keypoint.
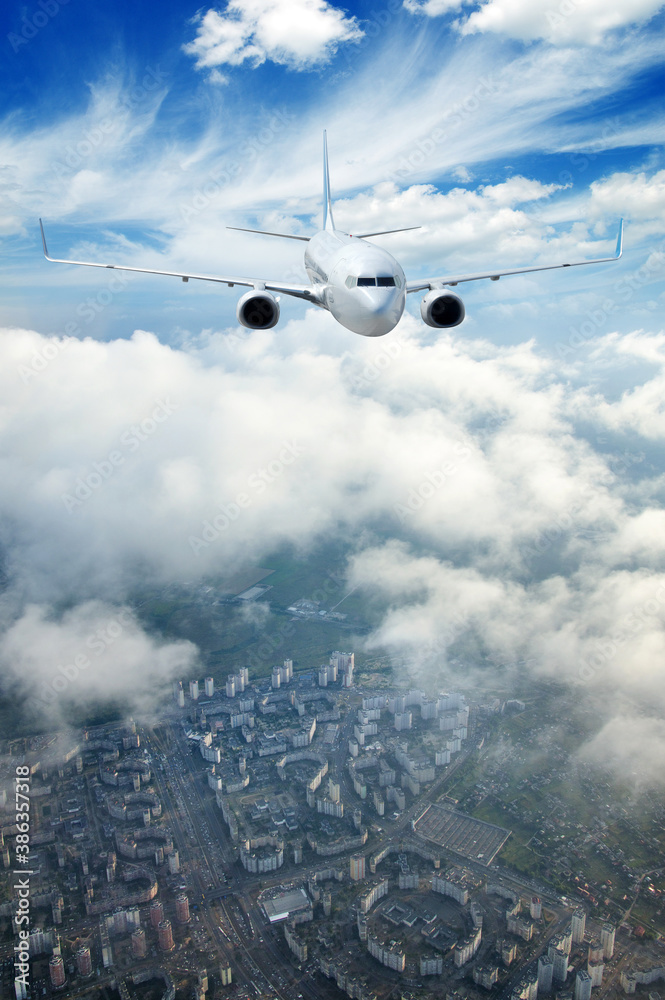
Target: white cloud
[
  {"x": 297, "y": 33},
  {"x": 184, "y": 461},
  {"x": 638, "y": 195},
  {"x": 632, "y": 746},
  {"x": 93, "y": 652},
  {"x": 581, "y": 22}
]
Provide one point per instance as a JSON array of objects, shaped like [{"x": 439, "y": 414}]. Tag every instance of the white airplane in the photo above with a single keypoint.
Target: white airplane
[{"x": 362, "y": 285}]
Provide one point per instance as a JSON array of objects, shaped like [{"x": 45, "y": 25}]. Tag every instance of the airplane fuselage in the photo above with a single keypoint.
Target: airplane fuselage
[{"x": 362, "y": 285}]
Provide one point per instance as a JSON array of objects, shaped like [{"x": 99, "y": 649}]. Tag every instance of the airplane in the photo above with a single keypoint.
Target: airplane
[{"x": 362, "y": 285}]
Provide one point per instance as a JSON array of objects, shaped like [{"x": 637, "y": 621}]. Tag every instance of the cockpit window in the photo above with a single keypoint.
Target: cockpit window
[
  {"x": 350, "y": 281},
  {"x": 382, "y": 282}
]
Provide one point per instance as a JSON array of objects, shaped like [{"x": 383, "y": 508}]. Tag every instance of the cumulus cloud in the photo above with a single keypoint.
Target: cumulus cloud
[
  {"x": 299, "y": 34},
  {"x": 564, "y": 23}
]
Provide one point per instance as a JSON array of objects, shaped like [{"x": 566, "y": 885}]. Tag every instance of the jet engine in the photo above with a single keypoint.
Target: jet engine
[
  {"x": 258, "y": 310},
  {"x": 442, "y": 309}
]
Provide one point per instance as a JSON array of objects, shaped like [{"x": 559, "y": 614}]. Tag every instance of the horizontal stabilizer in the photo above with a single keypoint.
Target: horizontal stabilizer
[
  {"x": 385, "y": 232},
  {"x": 263, "y": 232}
]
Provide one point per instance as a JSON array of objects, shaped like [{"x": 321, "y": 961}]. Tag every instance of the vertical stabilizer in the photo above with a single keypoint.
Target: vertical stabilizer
[{"x": 327, "y": 207}]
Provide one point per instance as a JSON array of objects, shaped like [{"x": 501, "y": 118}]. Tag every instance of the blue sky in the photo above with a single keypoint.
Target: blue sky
[
  {"x": 506, "y": 475},
  {"x": 117, "y": 118}
]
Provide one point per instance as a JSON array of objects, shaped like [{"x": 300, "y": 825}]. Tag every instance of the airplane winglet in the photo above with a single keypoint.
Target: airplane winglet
[
  {"x": 619, "y": 248},
  {"x": 44, "y": 240}
]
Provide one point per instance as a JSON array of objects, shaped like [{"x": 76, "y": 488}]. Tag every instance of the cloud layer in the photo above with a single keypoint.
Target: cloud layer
[{"x": 496, "y": 504}]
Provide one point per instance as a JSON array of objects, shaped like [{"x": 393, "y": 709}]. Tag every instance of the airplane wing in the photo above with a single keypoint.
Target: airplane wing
[
  {"x": 304, "y": 291},
  {"x": 455, "y": 279}
]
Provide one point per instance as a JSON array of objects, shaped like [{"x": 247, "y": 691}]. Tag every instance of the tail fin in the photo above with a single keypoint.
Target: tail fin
[{"x": 328, "y": 222}]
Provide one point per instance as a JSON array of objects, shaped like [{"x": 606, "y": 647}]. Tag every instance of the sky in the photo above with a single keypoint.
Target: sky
[{"x": 503, "y": 479}]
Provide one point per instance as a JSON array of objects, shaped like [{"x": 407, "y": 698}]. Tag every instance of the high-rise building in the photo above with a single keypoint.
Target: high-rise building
[
  {"x": 344, "y": 665},
  {"x": 182, "y": 908},
  {"x": 535, "y": 908},
  {"x": 583, "y": 985},
  {"x": 139, "y": 946},
  {"x": 119, "y": 921},
  {"x": 156, "y": 913},
  {"x": 165, "y": 936},
  {"x": 403, "y": 720},
  {"x": 194, "y": 690},
  {"x": 209, "y": 687},
  {"x": 607, "y": 940},
  {"x": 357, "y": 867},
  {"x": 595, "y": 970},
  {"x": 578, "y": 924},
  {"x": 56, "y": 968},
  {"x": 560, "y": 962},
  {"x": 545, "y": 973},
  {"x": 83, "y": 961},
  {"x": 174, "y": 863},
  {"x": 225, "y": 975}
]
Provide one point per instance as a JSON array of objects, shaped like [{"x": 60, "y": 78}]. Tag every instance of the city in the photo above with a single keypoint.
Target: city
[{"x": 318, "y": 832}]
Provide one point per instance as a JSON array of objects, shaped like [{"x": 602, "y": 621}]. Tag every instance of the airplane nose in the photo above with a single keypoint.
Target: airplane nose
[{"x": 383, "y": 310}]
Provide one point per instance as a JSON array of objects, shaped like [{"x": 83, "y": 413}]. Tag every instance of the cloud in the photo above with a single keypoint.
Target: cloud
[
  {"x": 498, "y": 508},
  {"x": 632, "y": 747},
  {"x": 300, "y": 34},
  {"x": 89, "y": 655},
  {"x": 568, "y": 22}
]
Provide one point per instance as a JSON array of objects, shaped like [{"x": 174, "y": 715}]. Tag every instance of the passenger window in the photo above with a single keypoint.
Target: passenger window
[
  {"x": 367, "y": 281},
  {"x": 385, "y": 282}
]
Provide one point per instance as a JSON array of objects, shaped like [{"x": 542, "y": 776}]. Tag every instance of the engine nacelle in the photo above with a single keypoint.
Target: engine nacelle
[
  {"x": 442, "y": 309},
  {"x": 258, "y": 310}
]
